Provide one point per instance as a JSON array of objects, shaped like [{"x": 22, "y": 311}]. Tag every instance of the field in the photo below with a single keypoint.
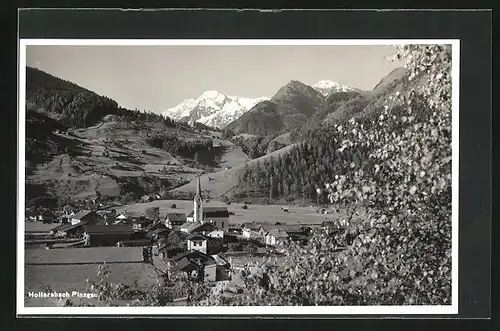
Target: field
[
  {"x": 258, "y": 213},
  {"x": 83, "y": 255},
  {"x": 61, "y": 278},
  {"x": 38, "y": 226}
]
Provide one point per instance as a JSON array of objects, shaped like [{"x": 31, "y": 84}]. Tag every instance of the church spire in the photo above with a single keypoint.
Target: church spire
[
  {"x": 198, "y": 209},
  {"x": 198, "y": 188}
]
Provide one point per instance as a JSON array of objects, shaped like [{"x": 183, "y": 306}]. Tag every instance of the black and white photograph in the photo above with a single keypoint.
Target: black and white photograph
[{"x": 264, "y": 175}]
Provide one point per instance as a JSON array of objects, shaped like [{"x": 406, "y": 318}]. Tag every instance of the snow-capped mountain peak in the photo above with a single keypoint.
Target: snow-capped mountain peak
[
  {"x": 212, "y": 108},
  {"x": 212, "y": 94},
  {"x": 326, "y": 87}
]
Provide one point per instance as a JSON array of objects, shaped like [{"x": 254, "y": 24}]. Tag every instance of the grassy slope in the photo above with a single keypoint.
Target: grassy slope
[
  {"x": 81, "y": 175},
  {"x": 226, "y": 179}
]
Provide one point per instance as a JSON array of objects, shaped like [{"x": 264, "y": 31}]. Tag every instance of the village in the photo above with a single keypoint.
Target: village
[{"x": 205, "y": 245}]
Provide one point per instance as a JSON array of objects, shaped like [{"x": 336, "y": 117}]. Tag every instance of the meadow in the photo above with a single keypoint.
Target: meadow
[{"x": 257, "y": 213}]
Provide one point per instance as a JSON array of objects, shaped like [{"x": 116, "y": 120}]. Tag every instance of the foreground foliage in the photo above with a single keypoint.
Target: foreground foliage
[{"x": 401, "y": 253}]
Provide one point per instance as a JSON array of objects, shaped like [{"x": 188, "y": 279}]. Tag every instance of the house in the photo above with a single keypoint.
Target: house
[
  {"x": 218, "y": 216},
  {"x": 109, "y": 218},
  {"x": 192, "y": 262},
  {"x": 154, "y": 226},
  {"x": 250, "y": 229},
  {"x": 264, "y": 229},
  {"x": 204, "y": 244},
  {"x": 291, "y": 228},
  {"x": 187, "y": 266},
  {"x": 168, "y": 251},
  {"x": 217, "y": 233},
  {"x": 197, "y": 242},
  {"x": 197, "y": 227},
  {"x": 276, "y": 237},
  {"x": 45, "y": 218},
  {"x": 121, "y": 217},
  {"x": 140, "y": 223},
  {"x": 199, "y": 265},
  {"x": 189, "y": 226},
  {"x": 194, "y": 255},
  {"x": 68, "y": 230},
  {"x": 134, "y": 243},
  {"x": 156, "y": 230},
  {"x": 107, "y": 235},
  {"x": 175, "y": 220},
  {"x": 88, "y": 216},
  {"x": 66, "y": 217},
  {"x": 210, "y": 273}
]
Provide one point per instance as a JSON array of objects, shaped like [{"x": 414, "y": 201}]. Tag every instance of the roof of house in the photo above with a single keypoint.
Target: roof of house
[
  {"x": 115, "y": 228},
  {"x": 190, "y": 226},
  {"x": 268, "y": 226},
  {"x": 155, "y": 226},
  {"x": 291, "y": 228},
  {"x": 206, "y": 227},
  {"x": 160, "y": 230},
  {"x": 81, "y": 214},
  {"x": 186, "y": 265},
  {"x": 278, "y": 233},
  {"x": 196, "y": 236},
  {"x": 140, "y": 219},
  {"x": 176, "y": 217},
  {"x": 66, "y": 227},
  {"x": 252, "y": 225},
  {"x": 213, "y": 212},
  {"x": 136, "y": 241},
  {"x": 192, "y": 255},
  {"x": 84, "y": 255}
]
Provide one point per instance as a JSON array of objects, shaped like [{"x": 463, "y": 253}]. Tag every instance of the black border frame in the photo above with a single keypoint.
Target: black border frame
[{"x": 473, "y": 28}]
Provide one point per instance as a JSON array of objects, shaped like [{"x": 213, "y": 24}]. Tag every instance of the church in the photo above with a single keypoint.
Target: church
[{"x": 218, "y": 216}]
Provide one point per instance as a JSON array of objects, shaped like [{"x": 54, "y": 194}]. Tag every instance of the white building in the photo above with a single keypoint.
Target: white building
[
  {"x": 197, "y": 242},
  {"x": 276, "y": 237},
  {"x": 217, "y": 233},
  {"x": 218, "y": 216}
]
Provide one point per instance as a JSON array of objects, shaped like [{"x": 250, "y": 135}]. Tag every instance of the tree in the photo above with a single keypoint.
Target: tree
[
  {"x": 153, "y": 213},
  {"x": 400, "y": 250}
]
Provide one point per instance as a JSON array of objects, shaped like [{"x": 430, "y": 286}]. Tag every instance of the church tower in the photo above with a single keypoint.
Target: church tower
[{"x": 198, "y": 208}]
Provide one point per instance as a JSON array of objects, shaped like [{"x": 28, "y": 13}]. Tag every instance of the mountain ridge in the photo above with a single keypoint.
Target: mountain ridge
[
  {"x": 212, "y": 108},
  {"x": 327, "y": 87},
  {"x": 287, "y": 109}
]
